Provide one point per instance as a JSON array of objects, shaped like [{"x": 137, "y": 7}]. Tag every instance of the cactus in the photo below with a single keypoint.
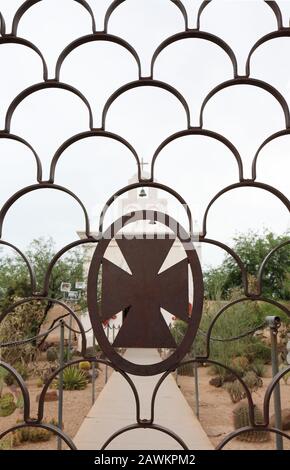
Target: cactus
[
  {"x": 31, "y": 434},
  {"x": 7, "y": 405},
  {"x": 252, "y": 381},
  {"x": 74, "y": 379},
  {"x": 85, "y": 365},
  {"x": 52, "y": 354},
  {"x": 240, "y": 365},
  {"x": 242, "y": 419},
  {"x": 236, "y": 391}
]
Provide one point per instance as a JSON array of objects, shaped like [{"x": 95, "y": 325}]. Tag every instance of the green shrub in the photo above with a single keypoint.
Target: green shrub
[
  {"x": 240, "y": 365},
  {"x": 236, "y": 391},
  {"x": 74, "y": 379},
  {"x": 259, "y": 350},
  {"x": 242, "y": 419},
  {"x": 31, "y": 434},
  {"x": 7, "y": 405},
  {"x": 258, "y": 367},
  {"x": 22, "y": 369},
  {"x": 252, "y": 381}
]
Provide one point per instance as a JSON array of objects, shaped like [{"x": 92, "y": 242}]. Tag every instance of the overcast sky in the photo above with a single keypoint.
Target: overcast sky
[{"x": 197, "y": 167}]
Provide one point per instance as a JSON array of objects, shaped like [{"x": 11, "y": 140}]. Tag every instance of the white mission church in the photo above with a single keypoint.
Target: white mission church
[{"x": 149, "y": 199}]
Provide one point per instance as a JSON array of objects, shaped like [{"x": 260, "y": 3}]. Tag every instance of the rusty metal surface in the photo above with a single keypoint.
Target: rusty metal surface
[{"x": 131, "y": 289}]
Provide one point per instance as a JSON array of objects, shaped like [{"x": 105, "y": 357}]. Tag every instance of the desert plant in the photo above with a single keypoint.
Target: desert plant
[
  {"x": 242, "y": 419},
  {"x": 285, "y": 377},
  {"x": 240, "y": 365},
  {"x": 52, "y": 354},
  {"x": 5, "y": 443},
  {"x": 74, "y": 379},
  {"x": 7, "y": 404},
  {"x": 258, "y": 367},
  {"x": 31, "y": 434},
  {"x": 235, "y": 390},
  {"x": 22, "y": 369},
  {"x": 252, "y": 380},
  {"x": 3, "y": 373},
  {"x": 85, "y": 365}
]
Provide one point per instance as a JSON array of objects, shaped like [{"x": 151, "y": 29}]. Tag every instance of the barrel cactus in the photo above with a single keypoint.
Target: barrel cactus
[
  {"x": 85, "y": 365},
  {"x": 242, "y": 419},
  {"x": 7, "y": 405},
  {"x": 52, "y": 354}
]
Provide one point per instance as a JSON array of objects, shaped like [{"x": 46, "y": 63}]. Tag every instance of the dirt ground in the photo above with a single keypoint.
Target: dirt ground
[
  {"x": 76, "y": 406},
  {"x": 216, "y": 409}
]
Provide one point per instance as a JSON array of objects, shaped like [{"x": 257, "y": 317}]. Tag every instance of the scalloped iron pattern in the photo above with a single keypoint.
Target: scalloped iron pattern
[{"x": 236, "y": 80}]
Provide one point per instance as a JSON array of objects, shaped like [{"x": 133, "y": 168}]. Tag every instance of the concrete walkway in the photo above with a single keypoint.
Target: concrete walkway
[{"x": 115, "y": 408}]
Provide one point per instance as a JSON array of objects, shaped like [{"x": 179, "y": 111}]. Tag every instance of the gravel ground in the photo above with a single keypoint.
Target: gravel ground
[
  {"x": 216, "y": 409},
  {"x": 76, "y": 406}
]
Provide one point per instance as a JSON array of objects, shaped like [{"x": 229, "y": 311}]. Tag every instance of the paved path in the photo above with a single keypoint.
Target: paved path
[{"x": 115, "y": 408}]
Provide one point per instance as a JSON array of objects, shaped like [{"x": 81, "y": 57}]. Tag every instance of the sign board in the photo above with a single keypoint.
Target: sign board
[
  {"x": 65, "y": 287},
  {"x": 73, "y": 295},
  {"x": 80, "y": 285}
]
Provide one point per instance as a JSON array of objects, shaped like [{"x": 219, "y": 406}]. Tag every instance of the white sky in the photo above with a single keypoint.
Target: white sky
[{"x": 95, "y": 168}]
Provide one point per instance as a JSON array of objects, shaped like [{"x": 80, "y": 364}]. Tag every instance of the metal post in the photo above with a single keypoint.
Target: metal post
[
  {"x": 106, "y": 367},
  {"x": 196, "y": 386},
  {"x": 94, "y": 374},
  {"x": 274, "y": 324},
  {"x": 113, "y": 333},
  {"x": 60, "y": 382},
  {"x": 69, "y": 338}
]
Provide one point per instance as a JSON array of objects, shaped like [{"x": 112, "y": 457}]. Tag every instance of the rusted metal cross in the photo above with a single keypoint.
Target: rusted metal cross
[{"x": 144, "y": 292}]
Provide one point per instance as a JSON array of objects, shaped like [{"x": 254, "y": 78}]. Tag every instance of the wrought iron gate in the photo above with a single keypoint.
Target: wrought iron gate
[{"x": 115, "y": 360}]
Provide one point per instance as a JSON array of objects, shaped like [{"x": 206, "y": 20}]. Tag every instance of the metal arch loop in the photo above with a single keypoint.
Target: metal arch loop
[
  {"x": 141, "y": 83},
  {"x": 272, "y": 4},
  {"x": 240, "y": 431},
  {"x": 150, "y": 184},
  {"x": 30, "y": 3},
  {"x": 57, "y": 256},
  {"x": 208, "y": 361},
  {"x": 234, "y": 255},
  {"x": 269, "y": 392},
  {"x": 231, "y": 304},
  {"x": 96, "y": 361},
  {"x": 84, "y": 135},
  {"x": 201, "y": 132},
  {"x": 30, "y": 268},
  {"x": 264, "y": 263},
  {"x": 29, "y": 45},
  {"x": 27, "y": 189},
  {"x": 242, "y": 184},
  {"x": 42, "y": 86},
  {"x": 269, "y": 139},
  {"x": 196, "y": 34},
  {"x": 35, "y": 298},
  {"x": 23, "y": 388},
  {"x": 251, "y": 82},
  {"x": 145, "y": 425},
  {"x": 285, "y": 32},
  {"x": 93, "y": 38},
  {"x": 114, "y": 5},
  {"x": 7, "y": 135},
  {"x": 2, "y": 25},
  {"x": 49, "y": 427}
]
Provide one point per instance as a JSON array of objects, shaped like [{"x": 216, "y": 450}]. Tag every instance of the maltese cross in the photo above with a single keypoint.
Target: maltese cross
[{"x": 144, "y": 292}]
